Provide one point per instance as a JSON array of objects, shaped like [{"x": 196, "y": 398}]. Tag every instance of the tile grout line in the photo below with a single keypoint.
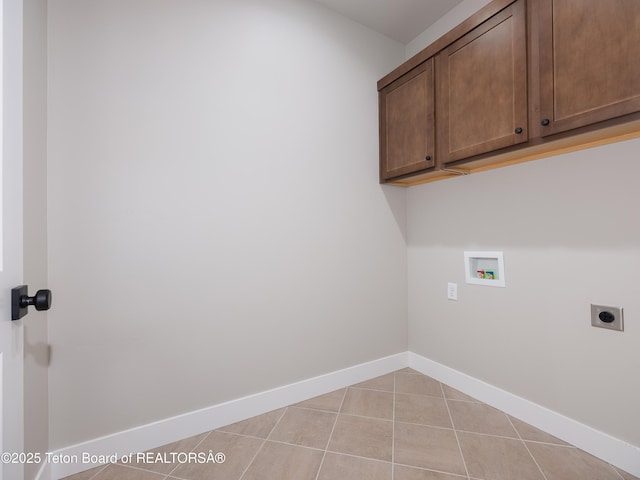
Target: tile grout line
[
  {"x": 437, "y": 396},
  {"x": 335, "y": 422},
  {"x": 128, "y": 467},
  {"x": 240, "y": 434},
  {"x": 446, "y": 402},
  {"x": 370, "y": 389},
  {"x": 342, "y": 454},
  {"x": 190, "y": 451},
  {"x": 370, "y": 417},
  {"x": 349, "y": 414},
  {"x": 526, "y": 446},
  {"x": 171, "y": 477},
  {"x": 199, "y": 443},
  {"x": 495, "y": 436},
  {"x": 427, "y": 425},
  {"x": 425, "y": 469},
  {"x": 95, "y": 475},
  {"x": 297, "y": 445},
  {"x": 264, "y": 441}
]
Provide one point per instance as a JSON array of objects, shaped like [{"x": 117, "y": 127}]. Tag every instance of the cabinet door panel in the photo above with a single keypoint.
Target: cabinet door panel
[
  {"x": 589, "y": 61},
  {"x": 407, "y": 123},
  {"x": 482, "y": 88}
]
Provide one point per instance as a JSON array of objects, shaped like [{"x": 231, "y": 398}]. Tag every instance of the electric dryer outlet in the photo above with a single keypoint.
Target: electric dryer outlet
[{"x": 607, "y": 317}]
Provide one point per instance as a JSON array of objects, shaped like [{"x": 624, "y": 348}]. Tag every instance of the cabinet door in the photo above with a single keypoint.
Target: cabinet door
[
  {"x": 406, "y": 123},
  {"x": 589, "y": 61},
  {"x": 482, "y": 88}
]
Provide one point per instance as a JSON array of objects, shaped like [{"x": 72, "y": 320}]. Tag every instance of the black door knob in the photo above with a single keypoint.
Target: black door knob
[
  {"x": 20, "y": 301},
  {"x": 518, "y": 130},
  {"x": 427, "y": 158},
  {"x": 41, "y": 300},
  {"x": 544, "y": 122}
]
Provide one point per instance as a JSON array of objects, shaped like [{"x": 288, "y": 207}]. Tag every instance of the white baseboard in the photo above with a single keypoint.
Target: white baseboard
[
  {"x": 621, "y": 454},
  {"x": 610, "y": 449},
  {"x": 172, "y": 429}
]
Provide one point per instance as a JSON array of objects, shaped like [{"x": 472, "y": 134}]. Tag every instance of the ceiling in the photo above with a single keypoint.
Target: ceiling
[{"x": 401, "y": 20}]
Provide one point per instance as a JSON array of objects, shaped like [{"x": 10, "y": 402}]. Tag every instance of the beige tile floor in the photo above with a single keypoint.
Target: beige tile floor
[{"x": 401, "y": 426}]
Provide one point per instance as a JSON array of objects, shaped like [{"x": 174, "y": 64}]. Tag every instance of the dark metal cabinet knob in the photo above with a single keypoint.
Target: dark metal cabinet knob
[
  {"x": 518, "y": 130},
  {"x": 427, "y": 158},
  {"x": 544, "y": 122}
]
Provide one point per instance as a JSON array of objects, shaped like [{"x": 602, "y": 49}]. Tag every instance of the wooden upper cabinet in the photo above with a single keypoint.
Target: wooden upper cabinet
[
  {"x": 589, "y": 61},
  {"x": 406, "y": 109},
  {"x": 481, "y": 87},
  {"x": 516, "y": 81}
]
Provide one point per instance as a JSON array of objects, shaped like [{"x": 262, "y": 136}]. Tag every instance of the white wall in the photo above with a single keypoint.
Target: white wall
[
  {"x": 215, "y": 224},
  {"x": 569, "y": 231},
  {"x": 36, "y": 348},
  {"x": 570, "y": 235},
  {"x": 453, "y": 17}
]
